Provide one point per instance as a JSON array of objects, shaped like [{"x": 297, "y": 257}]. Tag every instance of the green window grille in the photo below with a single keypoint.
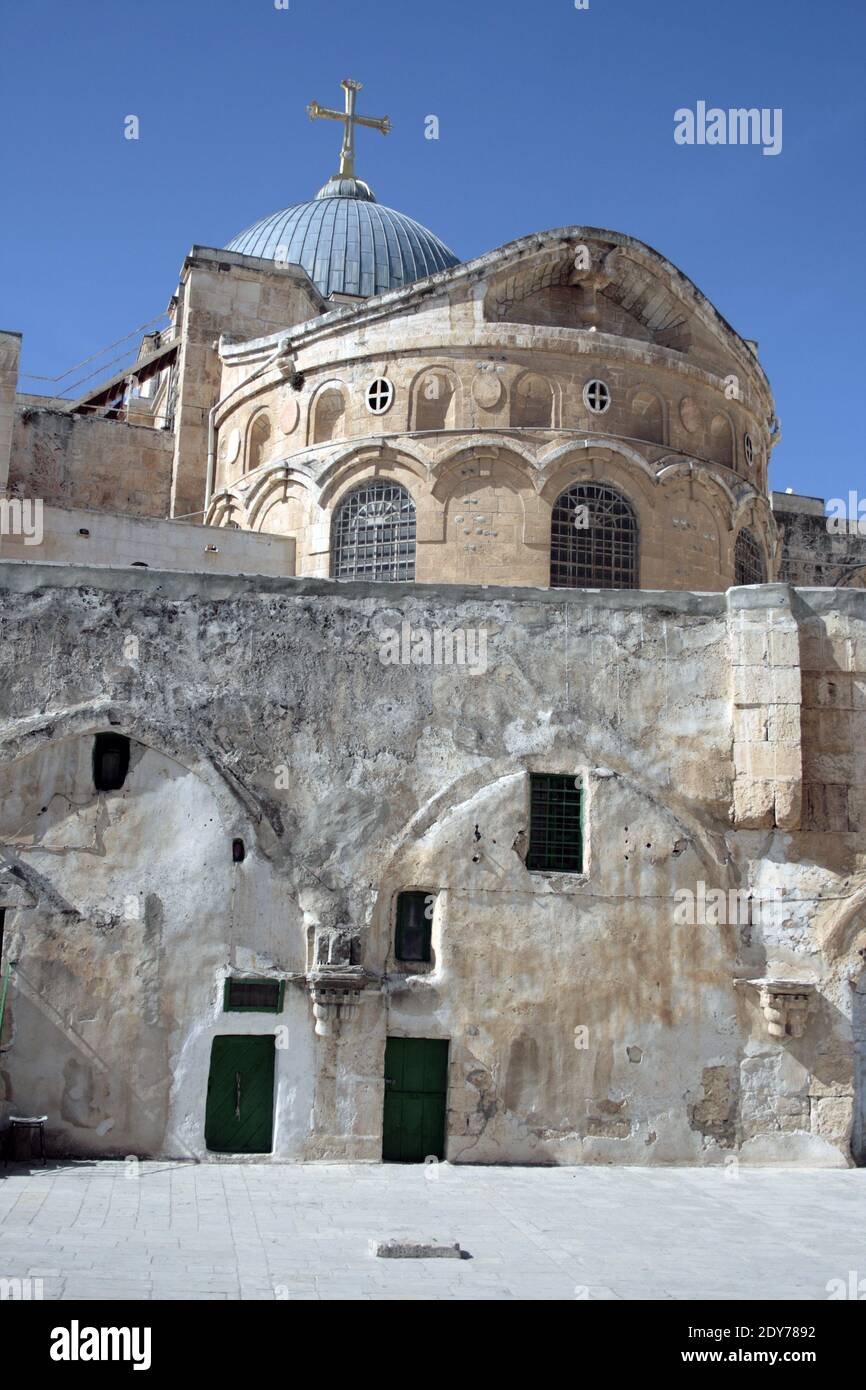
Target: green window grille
[
  {"x": 412, "y": 939},
  {"x": 254, "y": 996},
  {"x": 555, "y": 823}
]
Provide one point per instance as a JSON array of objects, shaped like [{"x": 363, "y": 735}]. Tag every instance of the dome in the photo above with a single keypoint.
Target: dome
[{"x": 347, "y": 242}]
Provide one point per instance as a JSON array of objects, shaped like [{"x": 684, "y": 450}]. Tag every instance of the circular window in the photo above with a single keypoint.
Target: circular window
[
  {"x": 380, "y": 395},
  {"x": 596, "y": 396},
  {"x": 750, "y": 449}
]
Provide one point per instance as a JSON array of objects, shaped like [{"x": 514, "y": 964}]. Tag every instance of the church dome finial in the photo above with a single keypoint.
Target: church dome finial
[
  {"x": 344, "y": 184},
  {"x": 347, "y": 242}
]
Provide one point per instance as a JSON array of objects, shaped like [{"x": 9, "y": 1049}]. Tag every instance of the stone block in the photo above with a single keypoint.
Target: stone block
[
  {"x": 402, "y": 1249},
  {"x": 754, "y": 803}
]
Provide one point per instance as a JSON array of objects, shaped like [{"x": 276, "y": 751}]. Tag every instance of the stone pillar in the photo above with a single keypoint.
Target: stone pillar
[{"x": 767, "y": 696}]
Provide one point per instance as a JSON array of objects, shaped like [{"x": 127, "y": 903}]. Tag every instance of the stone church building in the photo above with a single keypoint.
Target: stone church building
[{"x": 412, "y": 743}]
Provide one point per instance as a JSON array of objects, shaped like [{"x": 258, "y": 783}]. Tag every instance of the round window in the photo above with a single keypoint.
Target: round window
[
  {"x": 596, "y": 396},
  {"x": 380, "y": 395},
  {"x": 750, "y": 450}
]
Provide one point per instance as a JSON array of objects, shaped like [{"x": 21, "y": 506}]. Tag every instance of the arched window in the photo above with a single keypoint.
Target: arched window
[
  {"x": 593, "y": 540},
  {"x": 259, "y": 436},
  {"x": 532, "y": 403},
  {"x": 329, "y": 413},
  {"x": 374, "y": 534},
  {"x": 749, "y": 567}
]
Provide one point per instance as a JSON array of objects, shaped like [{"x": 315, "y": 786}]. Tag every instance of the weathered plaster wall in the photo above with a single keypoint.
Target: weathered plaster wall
[{"x": 261, "y": 708}]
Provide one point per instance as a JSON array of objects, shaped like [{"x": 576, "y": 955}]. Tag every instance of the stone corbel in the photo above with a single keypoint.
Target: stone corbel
[
  {"x": 335, "y": 991},
  {"x": 784, "y": 1004}
]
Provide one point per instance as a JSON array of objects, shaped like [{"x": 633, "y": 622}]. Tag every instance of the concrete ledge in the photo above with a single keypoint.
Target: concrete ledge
[{"x": 18, "y": 576}]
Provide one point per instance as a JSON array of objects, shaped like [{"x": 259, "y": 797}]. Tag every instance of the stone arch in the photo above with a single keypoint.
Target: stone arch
[
  {"x": 359, "y": 464},
  {"x": 281, "y": 480},
  {"x": 500, "y": 486},
  {"x": 239, "y": 806},
  {"x": 327, "y": 410},
  {"x": 258, "y": 439},
  {"x": 557, "y": 457},
  {"x": 226, "y": 509},
  {"x": 701, "y": 474},
  {"x": 532, "y": 402},
  {"x": 601, "y": 464},
  {"x": 695, "y": 518},
  {"x": 483, "y": 446},
  {"x": 435, "y": 399},
  {"x": 722, "y": 441},
  {"x": 647, "y": 416}
]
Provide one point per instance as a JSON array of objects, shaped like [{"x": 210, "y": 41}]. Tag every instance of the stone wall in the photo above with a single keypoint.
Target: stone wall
[
  {"x": 85, "y": 461},
  {"x": 817, "y": 549},
  {"x": 589, "y": 1020}
]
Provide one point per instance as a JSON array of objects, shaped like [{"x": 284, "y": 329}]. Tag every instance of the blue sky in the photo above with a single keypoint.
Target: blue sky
[{"x": 548, "y": 116}]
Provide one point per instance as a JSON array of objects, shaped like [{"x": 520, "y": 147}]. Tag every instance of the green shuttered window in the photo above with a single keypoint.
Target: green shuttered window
[{"x": 254, "y": 996}]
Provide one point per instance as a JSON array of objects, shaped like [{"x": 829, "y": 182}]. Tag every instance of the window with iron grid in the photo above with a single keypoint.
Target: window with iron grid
[
  {"x": 593, "y": 539},
  {"x": 555, "y": 824},
  {"x": 253, "y": 996},
  {"x": 374, "y": 534},
  {"x": 748, "y": 560}
]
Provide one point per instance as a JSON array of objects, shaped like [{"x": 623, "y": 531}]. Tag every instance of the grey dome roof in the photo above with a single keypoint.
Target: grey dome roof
[{"x": 347, "y": 242}]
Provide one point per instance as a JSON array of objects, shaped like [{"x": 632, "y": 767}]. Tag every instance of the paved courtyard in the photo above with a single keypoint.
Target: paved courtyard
[{"x": 263, "y": 1231}]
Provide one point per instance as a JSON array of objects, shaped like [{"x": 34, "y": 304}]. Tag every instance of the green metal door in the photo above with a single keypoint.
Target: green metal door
[
  {"x": 416, "y": 1083},
  {"x": 239, "y": 1118}
]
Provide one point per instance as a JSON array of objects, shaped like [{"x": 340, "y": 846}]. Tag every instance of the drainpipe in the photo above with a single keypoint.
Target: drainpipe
[{"x": 281, "y": 350}]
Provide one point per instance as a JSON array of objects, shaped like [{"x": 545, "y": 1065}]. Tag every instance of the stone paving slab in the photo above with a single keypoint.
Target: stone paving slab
[{"x": 100, "y": 1230}]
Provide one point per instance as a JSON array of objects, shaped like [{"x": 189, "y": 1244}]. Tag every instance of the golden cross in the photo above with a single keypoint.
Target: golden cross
[{"x": 350, "y": 120}]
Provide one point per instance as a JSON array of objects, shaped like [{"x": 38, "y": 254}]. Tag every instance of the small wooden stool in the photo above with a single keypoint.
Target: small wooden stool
[{"x": 30, "y": 1122}]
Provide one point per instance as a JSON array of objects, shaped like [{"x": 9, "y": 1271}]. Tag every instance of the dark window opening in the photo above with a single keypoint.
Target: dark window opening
[
  {"x": 749, "y": 565},
  {"x": 413, "y": 937},
  {"x": 110, "y": 762},
  {"x": 239, "y": 854},
  {"x": 254, "y": 996},
  {"x": 555, "y": 824}
]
